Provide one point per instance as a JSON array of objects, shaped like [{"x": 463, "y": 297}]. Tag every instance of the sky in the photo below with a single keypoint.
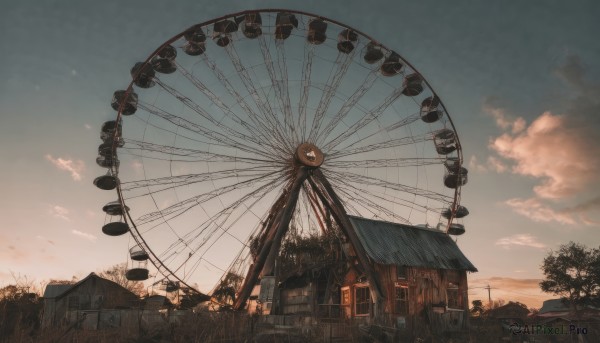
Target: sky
[{"x": 520, "y": 80}]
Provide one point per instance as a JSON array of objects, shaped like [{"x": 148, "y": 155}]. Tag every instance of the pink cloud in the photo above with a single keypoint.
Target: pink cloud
[
  {"x": 59, "y": 212},
  {"x": 76, "y": 168},
  {"x": 502, "y": 119},
  {"x": 492, "y": 164},
  {"x": 562, "y": 156},
  {"x": 84, "y": 235},
  {"x": 535, "y": 210},
  {"x": 521, "y": 240}
]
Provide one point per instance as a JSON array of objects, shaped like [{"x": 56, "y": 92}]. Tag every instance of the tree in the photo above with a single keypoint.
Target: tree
[
  {"x": 225, "y": 291},
  {"x": 572, "y": 272},
  {"x": 477, "y": 310},
  {"x": 20, "y": 308},
  {"x": 116, "y": 274}
]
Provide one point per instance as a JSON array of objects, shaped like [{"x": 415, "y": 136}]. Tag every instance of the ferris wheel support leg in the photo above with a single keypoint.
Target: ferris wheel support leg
[
  {"x": 273, "y": 240},
  {"x": 339, "y": 212}
]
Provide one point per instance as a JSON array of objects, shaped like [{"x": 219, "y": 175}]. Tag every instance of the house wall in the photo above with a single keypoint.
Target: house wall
[{"x": 425, "y": 288}]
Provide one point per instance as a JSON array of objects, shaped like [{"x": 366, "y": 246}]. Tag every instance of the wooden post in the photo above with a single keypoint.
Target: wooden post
[
  {"x": 337, "y": 209},
  {"x": 273, "y": 239}
]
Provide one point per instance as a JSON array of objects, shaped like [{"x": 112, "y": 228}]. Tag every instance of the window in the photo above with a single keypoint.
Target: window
[
  {"x": 452, "y": 296},
  {"x": 401, "y": 301},
  {"x": 362, "y": 299},
  {"x": 345, "y": 296},
  {"x": 401, "y": 272}
]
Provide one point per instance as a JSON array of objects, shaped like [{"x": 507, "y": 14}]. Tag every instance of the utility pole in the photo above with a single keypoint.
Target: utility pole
[{"x": 489, "y": 294}]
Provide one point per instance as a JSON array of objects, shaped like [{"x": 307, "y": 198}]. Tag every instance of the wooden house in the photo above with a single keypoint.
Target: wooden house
[
  {"x": 421, "y": 271},
  {"x": 89, "y": 296}
]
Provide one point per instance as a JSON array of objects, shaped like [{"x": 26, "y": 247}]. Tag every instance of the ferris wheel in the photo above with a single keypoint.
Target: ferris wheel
[{"x": 267, "y": 123}]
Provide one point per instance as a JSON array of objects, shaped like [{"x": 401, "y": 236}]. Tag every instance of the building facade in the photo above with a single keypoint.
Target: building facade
[{"x": 421, "y": 272}]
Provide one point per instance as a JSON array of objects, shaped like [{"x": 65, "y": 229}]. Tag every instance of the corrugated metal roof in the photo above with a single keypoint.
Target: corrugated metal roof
[
  {"x": 54, "y": 290},
  {"x": 391, "y": 243}
]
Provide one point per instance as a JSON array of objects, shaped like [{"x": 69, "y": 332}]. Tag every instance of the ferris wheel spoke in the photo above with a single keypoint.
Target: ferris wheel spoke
[
  {"x": 185, "y": 205},
  {"x": 343, "y": 62},
  {"x": 171, "y": 182},
  {"x": 224, "y": 214},
  {"x": 284, "y": 93},
  {"x": 280, "y": 83},
  {"x": 223, "y": 229},
  {"x": 309, "y": 52},
  {"x": 265, "y": 125},
  {"x": 348, "y": 105},
  {"x": 219, "y": 138},
  {"x": 360, "y": 200},
  {"x": 257, "y": 95},
  {"x": 386, "y": 163},
  {"x": 383, "y": 197},
  {"x": 252, "y": 126},
  {"x": 194, "y": 155},
  {"x": 189, "y": 238},
  {"x": 392, "y": 143},
  {"x": 373, "y": 181},
  {"x": 371, "y": 116},
  {"x": 189, "y": 103},
  {"x": 209, "y": 239}
]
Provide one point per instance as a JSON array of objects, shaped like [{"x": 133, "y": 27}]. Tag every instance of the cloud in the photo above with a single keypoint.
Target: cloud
[
  {"x": 522, "y": 240},
  {"x": 535, "y": 210},
  {"x": 87, "y": 126},
  {"x": 84, "y": 235},
  {"x": 561, "y": 157},
  {"x": 59, "y": 212},
  {"x": 492, "y": 164},
  {"x": 491, "y": 106},
  {"x": 559, "y": 151},
  {"x": 474, "y": 165},
  {"x": 76, "y": 168}
]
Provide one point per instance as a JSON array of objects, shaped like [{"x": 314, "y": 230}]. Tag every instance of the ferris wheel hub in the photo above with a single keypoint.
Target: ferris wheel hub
[{"x": 309, "y": 155}]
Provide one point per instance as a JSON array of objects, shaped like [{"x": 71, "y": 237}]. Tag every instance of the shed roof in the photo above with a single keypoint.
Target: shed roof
[
  {"x": 405, "y": 245},
  {"x": 54, "y": 290},
  {"x": 562, "y": 305},
  {"x": 554, "y": 305},
  {"x": 60, "y": 290}
]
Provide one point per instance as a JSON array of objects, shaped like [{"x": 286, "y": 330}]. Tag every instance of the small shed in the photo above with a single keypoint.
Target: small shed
[
  {"x": 90, "y": 295},
  {"x": 422, "y": 273},
  {"x": 511, "y": 311}
]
